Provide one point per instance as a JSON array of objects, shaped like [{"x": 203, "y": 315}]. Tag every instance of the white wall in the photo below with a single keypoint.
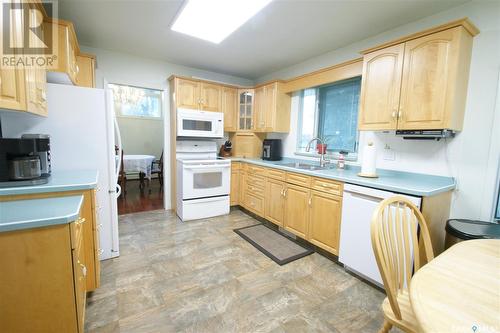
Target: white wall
[
  {"x": 473, "y": 156},
  {"x": 141, "y": 136},
  {"x": 136, "y": 71}
]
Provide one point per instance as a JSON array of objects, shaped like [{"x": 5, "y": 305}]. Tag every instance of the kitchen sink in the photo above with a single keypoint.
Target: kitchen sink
[{"x": 306, "y": 166}]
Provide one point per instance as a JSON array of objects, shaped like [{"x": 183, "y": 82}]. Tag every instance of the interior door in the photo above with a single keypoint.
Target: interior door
[
  {"x": 296, "y": 209},
  {"x": 211, "y": 97},
  {"x": 426, "y": 79},
  {"x": 187, "y": 94},
  {"x": 324, "y": 226},
  {"x": 275, "y": 201},
  {"x": 380, "y": 88}
]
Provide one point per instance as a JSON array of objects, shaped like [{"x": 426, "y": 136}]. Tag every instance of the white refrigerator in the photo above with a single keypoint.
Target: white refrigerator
[{"x": 82, "y": 128}]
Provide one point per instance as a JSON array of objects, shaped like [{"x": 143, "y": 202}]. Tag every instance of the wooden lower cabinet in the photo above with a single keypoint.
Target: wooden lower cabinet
[
  {"x": 275, "y": 201},
  {"x": 324, "y": 221},
  {"x": 297, "y": 209},
  {"x": 90, "y": 248},
  {"x": 234, "y": 196},
  {"x": 42, "y": 285},
  {"x": 308, "y": 207}
]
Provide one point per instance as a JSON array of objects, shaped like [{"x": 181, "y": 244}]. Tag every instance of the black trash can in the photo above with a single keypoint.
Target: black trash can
[{"x": 458, "y": 230}]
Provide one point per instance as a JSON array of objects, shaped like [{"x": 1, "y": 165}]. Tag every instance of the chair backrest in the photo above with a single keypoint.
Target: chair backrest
[{"x": 399, "y": 235}]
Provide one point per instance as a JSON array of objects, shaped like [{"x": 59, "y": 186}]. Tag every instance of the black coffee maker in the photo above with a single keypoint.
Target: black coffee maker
[
  {"x": 24, "y": 161},
  {"x": 271, "y": 150}
]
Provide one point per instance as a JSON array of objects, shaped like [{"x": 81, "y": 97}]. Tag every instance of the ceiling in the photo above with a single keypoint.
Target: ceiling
[{"x": 284, "y": 33}]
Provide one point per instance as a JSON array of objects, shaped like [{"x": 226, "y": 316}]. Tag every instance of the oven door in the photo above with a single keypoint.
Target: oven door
[
  {"x": 195, "y": 123},
  {"x": 205, "y": 179}
]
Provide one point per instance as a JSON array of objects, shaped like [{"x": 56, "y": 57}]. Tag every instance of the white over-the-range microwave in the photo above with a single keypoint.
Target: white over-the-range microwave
[{"x": 196, "y": 123}]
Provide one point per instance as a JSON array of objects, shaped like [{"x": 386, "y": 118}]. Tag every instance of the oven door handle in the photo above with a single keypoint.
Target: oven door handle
[{"x": 207, "y": 166}]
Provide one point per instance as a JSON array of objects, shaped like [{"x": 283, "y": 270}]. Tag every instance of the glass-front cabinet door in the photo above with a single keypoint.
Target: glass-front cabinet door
[{"x": 245, "y": 112}]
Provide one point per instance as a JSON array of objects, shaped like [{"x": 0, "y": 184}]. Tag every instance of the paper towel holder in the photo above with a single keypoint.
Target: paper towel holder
[{"x": 368, "y": 175}]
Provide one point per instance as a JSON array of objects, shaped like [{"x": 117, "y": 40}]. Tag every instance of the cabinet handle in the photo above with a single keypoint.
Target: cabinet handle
[
  {"x": 284, "y": 191},
  {"x": 84, "y": 269},
  {"x": 393, "y": 114},
  {"x": 77, "y": 69},
  {"x": 310, "y": 200},
  {"x": 400, "y": 113},
  {"x": 81, "y": 220}
]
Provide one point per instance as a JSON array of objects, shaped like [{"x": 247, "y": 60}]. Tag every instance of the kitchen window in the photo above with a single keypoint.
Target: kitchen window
[
  {"x": 330, "y": 112},
  {"x": 137, "y": 102}
]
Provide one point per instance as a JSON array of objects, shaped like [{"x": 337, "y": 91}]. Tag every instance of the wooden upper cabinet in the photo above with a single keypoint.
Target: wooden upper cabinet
[
  {"x": 86, "y": 70},
  {"x": 272, "y": 108},
  {"x": 187, "y": 93},
  {"x": 211, "y": 97},
  {"x": 419, "y": 83},
  {"x": 198, "y": 95},
  {"x": 12, "y": 88},
  {"x": 64, "y": 68},
  {"x": 324, "y": 225},
  {"x": 246, "y": 109},
  {"x": 12, "y": 80},
  {"x": 435, "y": 76},
  {"x": 380, "y": 88},
  {"x": 230, "y": 108},
  {"x": 259, "y": 110}
]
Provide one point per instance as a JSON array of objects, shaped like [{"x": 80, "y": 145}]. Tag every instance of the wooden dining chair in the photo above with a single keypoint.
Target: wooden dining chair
[
  {"x": 400, "y": 239},
  {"x": 157, "y": 168}
]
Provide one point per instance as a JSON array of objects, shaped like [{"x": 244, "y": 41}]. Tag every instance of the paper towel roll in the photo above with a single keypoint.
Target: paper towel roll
[{"x": 368, "y": 165}]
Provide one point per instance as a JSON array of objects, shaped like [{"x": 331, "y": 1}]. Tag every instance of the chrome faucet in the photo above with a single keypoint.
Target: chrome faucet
[{"x": 322, "y": 160}]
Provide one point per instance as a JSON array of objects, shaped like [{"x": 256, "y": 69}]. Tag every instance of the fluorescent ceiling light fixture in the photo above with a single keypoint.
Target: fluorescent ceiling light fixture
[{"x": 214, "y": 20}]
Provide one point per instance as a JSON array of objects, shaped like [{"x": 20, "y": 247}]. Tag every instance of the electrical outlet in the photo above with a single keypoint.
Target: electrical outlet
[{"x": 389, "y": 154}]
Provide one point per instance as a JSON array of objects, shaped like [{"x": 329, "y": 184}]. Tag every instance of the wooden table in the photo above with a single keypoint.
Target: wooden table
[
  {"x": 139, "y": 163},
  {"x": 459, "y": 291}
]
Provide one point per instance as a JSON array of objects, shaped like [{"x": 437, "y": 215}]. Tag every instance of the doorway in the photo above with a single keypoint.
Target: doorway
[{"x": 140, "y": 116}]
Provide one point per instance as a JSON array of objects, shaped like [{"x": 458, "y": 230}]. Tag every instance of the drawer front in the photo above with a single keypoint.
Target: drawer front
[
  {"x": 235, "y": 165},
  {"x": 256, "y": 170},
  {"x": 298, "y": 179},
  {"x": 76, "y": 232},
  {"x": 326, "y": 185},
  {"x": 255, "y": 190},
  {"x": 255, "y": 204},
  {"x": 256, "y": 181},
  {"x": 276, "y": 174}
]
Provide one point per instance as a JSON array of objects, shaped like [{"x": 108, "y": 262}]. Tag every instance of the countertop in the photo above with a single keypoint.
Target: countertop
[
  {"x": 59, "y": 181},
  {"x": 34, "y": 213},
  {"x": 396, "y": 181}
]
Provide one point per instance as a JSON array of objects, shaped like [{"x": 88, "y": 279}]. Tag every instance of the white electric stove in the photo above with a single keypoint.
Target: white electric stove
[{"x": 203, "y": 180}]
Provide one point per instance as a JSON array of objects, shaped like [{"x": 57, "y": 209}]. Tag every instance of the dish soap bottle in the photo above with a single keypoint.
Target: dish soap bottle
[{"x": 341, "y": 161}]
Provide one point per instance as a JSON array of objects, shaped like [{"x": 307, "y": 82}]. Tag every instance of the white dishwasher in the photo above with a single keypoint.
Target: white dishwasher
[{"x": 356, "y": 251}]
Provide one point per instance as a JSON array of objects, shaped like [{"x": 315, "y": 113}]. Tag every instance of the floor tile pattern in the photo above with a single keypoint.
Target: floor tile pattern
[{"x": 200, "y": 276}]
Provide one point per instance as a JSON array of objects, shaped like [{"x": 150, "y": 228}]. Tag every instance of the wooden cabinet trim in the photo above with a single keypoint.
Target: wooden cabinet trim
[{"x": 463, "y": 22}]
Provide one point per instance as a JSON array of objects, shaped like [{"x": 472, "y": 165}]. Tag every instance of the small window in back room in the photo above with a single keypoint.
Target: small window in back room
[
  {"x": 330, "y": 112},
  {"x": 136, "y": 102}
]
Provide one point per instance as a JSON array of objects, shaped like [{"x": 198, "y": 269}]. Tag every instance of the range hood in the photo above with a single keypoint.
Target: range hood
[{"x": 425, "y": 134}]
